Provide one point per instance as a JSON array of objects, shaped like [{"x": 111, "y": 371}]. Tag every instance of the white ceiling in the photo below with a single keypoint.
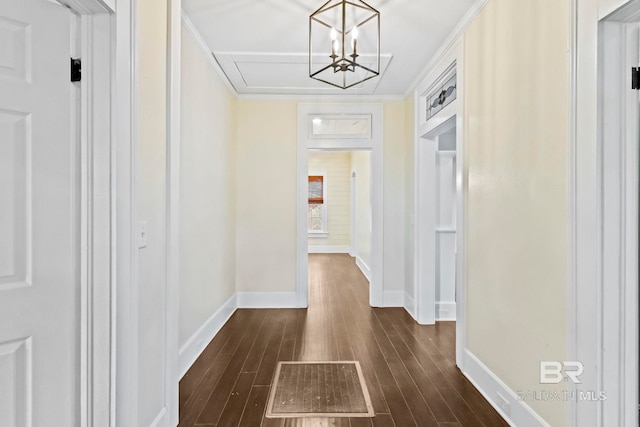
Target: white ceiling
[{"x": 262, "y": 45}]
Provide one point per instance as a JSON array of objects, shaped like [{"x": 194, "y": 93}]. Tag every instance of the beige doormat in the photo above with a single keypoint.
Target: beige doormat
[{"x": 319, "y": 389}]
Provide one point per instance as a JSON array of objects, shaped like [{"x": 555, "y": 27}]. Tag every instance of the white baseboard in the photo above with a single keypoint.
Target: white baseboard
[
  {"x": 328, "y": 249},
  {"x": 364, "y": 268},
  {"x": 267, "y": 300},
  {"x": 192, "y": 349},
  {"x": 410, "y": 305},
  {"x": 445, "y": 311},
  {"x": 160, "y": 418},
  {"x": 517, "y": 412},
  {"x": 393, "y": 299}
]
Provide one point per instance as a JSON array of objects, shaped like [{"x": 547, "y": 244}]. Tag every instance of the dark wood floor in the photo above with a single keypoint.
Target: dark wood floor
[{"x": 409, "y": 369}]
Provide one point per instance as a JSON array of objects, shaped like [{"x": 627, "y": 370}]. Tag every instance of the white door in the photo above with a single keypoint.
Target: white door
[{"x": 38, "y": 234}]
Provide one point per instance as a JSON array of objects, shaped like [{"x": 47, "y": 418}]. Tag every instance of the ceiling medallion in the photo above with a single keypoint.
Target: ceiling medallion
[{"x": 344, "y": 43}]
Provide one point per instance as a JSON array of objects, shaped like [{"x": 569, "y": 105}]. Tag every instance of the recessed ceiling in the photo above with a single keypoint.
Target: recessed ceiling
[{"x": 261, "y": 45}]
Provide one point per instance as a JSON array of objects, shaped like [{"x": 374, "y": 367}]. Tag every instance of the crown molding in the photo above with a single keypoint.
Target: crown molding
[
  {"x": 202, "y": 45},
  {"x": 447, "y": 45}
]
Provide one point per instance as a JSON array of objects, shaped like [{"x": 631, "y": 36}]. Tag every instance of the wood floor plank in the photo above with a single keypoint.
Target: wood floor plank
[
  {"x": 221, "y": 393},
  {"x": 384, "y": 420},
  {"x": 269, "y": 360},
  {"x": 409, "y": 369},
  {"x": 194, "y": 376},
  {"x": 234, "y": 408},
  {"x": 255, "y": 406},
  {"x": 399, "y": 409},
  {"x": 412, "y": 396},
  {"x": 216, "y": 369},
  {"x": 360, "y": 422}
]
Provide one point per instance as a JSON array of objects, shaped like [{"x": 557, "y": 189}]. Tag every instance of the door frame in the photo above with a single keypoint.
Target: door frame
[
  {"x": 353, "y": 244},
  {"x": 617, "y": 175},
  {"x": 124, "y": 221},
  {"x": 108, "y": 214},
  {"x": 424, "y": 304},
  {"x": 95, "y": 202},
  {"x": 376, "y": 110}
]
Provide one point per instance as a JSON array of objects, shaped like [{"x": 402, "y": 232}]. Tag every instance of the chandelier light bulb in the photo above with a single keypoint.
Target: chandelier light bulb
[{"x": 354, "y": 38}]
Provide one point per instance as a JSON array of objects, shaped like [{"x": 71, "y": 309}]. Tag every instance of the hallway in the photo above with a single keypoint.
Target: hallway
[{"x": 409, "y": 369}]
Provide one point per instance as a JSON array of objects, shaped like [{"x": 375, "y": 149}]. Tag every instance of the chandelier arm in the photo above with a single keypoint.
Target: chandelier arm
[
  {"x": 369, "y": 6},
  {"x": 320, "y": 22},
  {"x": 361, "y": 81},
  {"x": 321, "y": 70},
  {"x": 365, "y": 68},
  {"x": 365, "y": 21},
  {"x": 322, "y": 8}
]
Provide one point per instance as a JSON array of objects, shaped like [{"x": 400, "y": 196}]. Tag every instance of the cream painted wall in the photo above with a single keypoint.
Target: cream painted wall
[
  {"x": 517, "y": 202},
  {"x": 151, "y": 29},
  {"x": 337, "y": 167},
  {"x": 394, "y": 195},
  {"x": 265, "y": 219},
  {"x": 361, "y": 165},
  {"x": 266, "y": 196},
  {"x": 207, "y": 191}
]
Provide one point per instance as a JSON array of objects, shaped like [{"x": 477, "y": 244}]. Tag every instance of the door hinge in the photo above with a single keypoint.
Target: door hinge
[
  {"x": 635, "y": 78},
  {"x": 76, "y": 69}
]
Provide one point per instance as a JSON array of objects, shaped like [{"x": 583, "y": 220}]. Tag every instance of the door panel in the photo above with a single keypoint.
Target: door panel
[{"x": 38, "y": 220}]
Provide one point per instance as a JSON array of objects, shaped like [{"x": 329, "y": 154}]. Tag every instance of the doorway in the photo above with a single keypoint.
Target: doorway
[
  {"x": 344, "y": 127},
  {"x": 339, "y": 205},
  {"x": 440, "y": 179},
  {"x": 435, "y": 293}
]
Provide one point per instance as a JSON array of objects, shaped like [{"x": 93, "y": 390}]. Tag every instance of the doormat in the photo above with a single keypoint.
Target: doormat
[{"x": 319, "y": 389}]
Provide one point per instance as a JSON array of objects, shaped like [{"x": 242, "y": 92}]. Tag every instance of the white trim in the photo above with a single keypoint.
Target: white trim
[
  {"x": 410, "y": 304},
  {"x": 353, "y": 248},
  {"x": 96, "y": 215},
  {"x": 328, "y": 249},
  {"x": 172, "y": 295},
  {"x": 267, "y": 300},
  {"x": 202, "y": 45},
  {"x": 318, "y": 234},
  {"x": 448, "y": 44},
  {"x": 393, "y": 299},
  {"x": 364, "y": 268},
  {"x": 618, "y": 183},
  {"x": 489, "y": 385},
  {"x": 445, "y": 311},
  {"x": 322, "y": 98},
  {"x": 124, "y": 349},
  {"x": 584, "y": 198},
  {"x": 375, "y": 145},
  {"x": 89, "y": 7},
  {"x": 193, "y": 347},
  {"x": 160, "y": 419},
  {"x": 572, "y": 294}
]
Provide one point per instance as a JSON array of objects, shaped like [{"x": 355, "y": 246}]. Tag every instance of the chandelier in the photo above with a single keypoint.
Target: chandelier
[{"x": 344, "y": 43}]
